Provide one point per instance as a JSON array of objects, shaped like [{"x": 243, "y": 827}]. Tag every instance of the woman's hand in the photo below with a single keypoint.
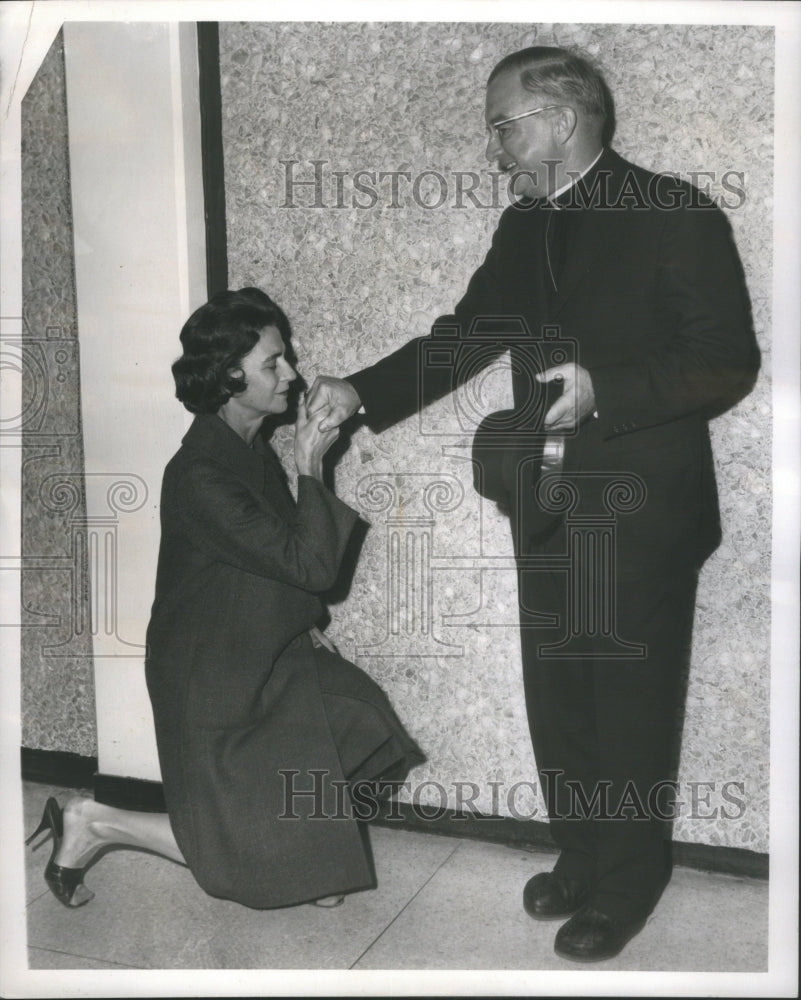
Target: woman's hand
[{"x": 310, "y": 442}]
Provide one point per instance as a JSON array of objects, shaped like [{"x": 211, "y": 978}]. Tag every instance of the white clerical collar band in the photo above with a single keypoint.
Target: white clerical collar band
[{"x": 573, "y": 180}]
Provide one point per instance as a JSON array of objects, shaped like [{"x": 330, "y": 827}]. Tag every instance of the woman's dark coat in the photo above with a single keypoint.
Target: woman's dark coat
[{"x": 248, "y": 712}]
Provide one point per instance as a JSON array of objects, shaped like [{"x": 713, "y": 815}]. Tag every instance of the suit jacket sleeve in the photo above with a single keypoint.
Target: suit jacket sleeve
[
  {"x": 400, "y": 384},
  {"x": 232, "y": 525},
  {"x": 709, "y": 358}
]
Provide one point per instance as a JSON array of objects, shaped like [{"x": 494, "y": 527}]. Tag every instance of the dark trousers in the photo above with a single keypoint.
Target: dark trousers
[{"x": 605, "y": 725}]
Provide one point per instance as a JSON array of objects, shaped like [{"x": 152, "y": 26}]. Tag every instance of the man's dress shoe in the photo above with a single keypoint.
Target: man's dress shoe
[
  {"x": 548, "y": 896},
  {"x": 590, "y": 936}
]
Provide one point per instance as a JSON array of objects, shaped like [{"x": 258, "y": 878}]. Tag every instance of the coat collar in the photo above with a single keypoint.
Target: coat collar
[{"x": 211, "y": 435}]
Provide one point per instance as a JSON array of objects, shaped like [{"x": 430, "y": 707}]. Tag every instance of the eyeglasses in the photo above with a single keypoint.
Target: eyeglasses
[{"x": 524, "y": 114}]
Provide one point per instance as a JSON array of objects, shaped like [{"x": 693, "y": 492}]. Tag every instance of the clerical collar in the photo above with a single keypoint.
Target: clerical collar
[{"x": 573, "y": 180}]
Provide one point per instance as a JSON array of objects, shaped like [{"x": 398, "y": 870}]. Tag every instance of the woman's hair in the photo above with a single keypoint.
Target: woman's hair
[{"x": 215, "y": 339}]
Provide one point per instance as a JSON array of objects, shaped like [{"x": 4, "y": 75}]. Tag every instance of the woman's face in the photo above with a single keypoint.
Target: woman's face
[{"x": 267, "y": 376}]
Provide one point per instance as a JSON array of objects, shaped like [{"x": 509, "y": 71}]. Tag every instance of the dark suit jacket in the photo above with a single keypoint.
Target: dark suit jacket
[{"x": 652, "y": 296}]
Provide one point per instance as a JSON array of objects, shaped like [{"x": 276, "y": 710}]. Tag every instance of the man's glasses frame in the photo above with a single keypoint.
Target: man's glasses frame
[{"x": 524, "y": 114}]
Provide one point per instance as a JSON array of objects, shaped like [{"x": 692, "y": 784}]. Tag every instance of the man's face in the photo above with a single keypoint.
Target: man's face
[{"x": 522, "y": 147}]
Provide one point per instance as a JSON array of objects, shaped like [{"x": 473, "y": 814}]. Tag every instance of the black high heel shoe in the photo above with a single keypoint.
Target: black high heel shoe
[{"x": 66, "y": 884}]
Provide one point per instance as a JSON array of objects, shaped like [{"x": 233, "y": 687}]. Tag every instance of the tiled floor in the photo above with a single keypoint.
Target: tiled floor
[{"x": 441, "y": 903}]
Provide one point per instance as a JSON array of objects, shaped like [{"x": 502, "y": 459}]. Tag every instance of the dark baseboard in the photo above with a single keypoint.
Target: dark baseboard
[
  {"x": 535, "y": 835},
  {"x": 723, "y": 860},
  {"x": 70, "y": 770},
  {"x": 56, "y": 767},
  {"x": 129, "y": 793},
  {"x": 526, "y": 834}
]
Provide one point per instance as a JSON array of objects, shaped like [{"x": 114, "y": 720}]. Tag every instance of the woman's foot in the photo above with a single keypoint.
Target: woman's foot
[
  {"x": 329, "y": 902},
  {"x": 83, "y": 833},
  {"x": 65, "y": 881}
]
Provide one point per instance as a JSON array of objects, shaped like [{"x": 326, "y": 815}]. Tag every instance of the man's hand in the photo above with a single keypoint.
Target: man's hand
[
  {"x": 576, "y": 402},
  {"x": 334, "y": 395}
]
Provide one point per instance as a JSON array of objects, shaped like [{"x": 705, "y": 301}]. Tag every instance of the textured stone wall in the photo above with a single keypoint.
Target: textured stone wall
[{"x": 57, "y": 681}]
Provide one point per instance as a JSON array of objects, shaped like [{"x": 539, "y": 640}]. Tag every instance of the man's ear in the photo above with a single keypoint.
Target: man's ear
[{"x": 565, "y": 122}]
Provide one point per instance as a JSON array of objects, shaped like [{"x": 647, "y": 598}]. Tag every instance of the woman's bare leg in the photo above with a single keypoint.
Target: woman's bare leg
[{"x": 90, "y": 825}]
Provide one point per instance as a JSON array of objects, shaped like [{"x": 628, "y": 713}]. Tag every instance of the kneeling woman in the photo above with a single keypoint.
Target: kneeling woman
[{"x": 263, "y": 731}]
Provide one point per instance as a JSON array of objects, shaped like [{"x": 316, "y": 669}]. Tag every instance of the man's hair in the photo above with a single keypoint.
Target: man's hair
[
  {"x": 215, "y": 339},
  {"x": 563, "y": 75}
]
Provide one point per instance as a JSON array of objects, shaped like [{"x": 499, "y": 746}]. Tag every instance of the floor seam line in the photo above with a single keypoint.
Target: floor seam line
[
  {"x": 89, "y": 958},
  {"x": 35, "y": 899},
  {"x": 407, "y": 904}
]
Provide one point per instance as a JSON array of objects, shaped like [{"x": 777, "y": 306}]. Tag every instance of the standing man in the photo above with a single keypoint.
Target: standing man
[{"x": 641, "y": 273}]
